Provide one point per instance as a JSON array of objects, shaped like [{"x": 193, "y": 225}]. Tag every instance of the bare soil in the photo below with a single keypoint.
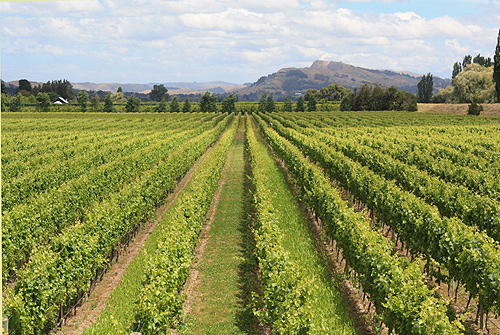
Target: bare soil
[
  {"x": 85, "y": 315},
  {"x": 459, "y": 109}
]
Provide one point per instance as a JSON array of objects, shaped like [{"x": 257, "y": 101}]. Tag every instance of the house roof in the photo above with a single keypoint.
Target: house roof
[{"x": 61, "y": 100}]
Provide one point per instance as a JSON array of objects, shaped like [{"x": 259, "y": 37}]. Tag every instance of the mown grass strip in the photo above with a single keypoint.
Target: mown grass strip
[
  {"x": 218, "y": 302},
  {"x": 328, "y": 312}
]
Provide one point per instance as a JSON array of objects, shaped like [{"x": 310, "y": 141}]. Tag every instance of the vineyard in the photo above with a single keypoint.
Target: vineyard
[{"x": 352, "y": 222}]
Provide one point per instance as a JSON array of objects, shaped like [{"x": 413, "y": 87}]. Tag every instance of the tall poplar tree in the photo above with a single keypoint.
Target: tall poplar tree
[{"x": 496, "y": 68}]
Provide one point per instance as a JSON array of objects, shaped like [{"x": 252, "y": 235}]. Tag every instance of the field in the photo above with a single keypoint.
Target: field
[{"x": 283, "y": 223}]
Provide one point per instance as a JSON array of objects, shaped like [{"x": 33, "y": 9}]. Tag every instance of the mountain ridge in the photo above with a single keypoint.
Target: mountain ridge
[{"x": 291, "y": 81}]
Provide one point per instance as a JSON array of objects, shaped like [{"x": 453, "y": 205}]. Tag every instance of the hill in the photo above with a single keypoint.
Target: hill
[
  {"x": 289, "y": 81},
  {"x": 173, "y": 87}
]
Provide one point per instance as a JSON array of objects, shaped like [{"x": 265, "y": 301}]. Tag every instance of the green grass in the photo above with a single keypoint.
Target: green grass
[
  {"x": 220, "y": 304},
  {"x": 330, "y": 314}
]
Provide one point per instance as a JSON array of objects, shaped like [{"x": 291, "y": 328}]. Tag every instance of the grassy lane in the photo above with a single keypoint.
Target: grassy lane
[
  {"x": 329, "y": 313},
  {"x": 217, "y": 305}
]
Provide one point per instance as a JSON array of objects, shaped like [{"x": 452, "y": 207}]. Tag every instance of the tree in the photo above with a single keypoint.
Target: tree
[
  {"x": 425, "y": 88},
  {"x": 119, "y": 90},
  {"x": 161, "y": 107},
  {"x": 229, "y": 104},
  {"x": 60, "y": 88},
  {"x": 94, "y": 102},
  {"x": 208, "y": 103},
  {"x": 467, "y": 61},
  {"x": 186, "y": 106},
  {"x": 83, "y": 100},
  {"x": 474, "y": 109},
  {"x": 474, "y": 84},
  {"x": 15, "y": 105},
  {"x": 108, "y": 104},
  {"x": 310, "y": 97},
  {"x": 288, "y": 106},
  {"x": 4, "y": 88},
  {"x": 118, "y": 97},
  {"x": 346, "y": 103},
  {"x": 299, "y": 106},
  {"x": 270, "y": 105},
  {"x": 25, "y": 85},
  {"x": 262, "y": 103},
  {"x": 158, "y": 92},
  {"x": 174, "y": 105},
  {"x": 133, "y": 104},
  {"x": 43, "y": 102},
  {"x": 457, "y": 68},
  {"x": 496, "y": 68},
  {"x": 311, "y": 104}
]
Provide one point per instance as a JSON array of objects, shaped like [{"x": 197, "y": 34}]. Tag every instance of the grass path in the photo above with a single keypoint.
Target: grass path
[
  {"x": 216, "y": 294},
  {"x": 330, "y": 312}
]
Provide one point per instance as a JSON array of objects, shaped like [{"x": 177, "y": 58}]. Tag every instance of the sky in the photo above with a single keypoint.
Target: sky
[{"x": 237, "y": 41}]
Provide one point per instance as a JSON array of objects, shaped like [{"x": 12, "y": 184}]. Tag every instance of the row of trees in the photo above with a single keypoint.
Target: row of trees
[{"x": 378, "y": 98}]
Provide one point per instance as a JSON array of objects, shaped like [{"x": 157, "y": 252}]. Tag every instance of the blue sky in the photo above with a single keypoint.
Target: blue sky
[{"x": 143, "y": 41}]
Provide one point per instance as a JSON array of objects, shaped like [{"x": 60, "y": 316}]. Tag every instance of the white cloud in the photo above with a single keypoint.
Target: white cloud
[
  {"x": 455, "y": 47},
  {"x": 213, "y": 36}
]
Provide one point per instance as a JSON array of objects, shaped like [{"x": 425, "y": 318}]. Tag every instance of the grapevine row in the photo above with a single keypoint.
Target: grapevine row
[
  {"x": 284, "y": 295},
  {"x": 470, "y": 256},
  {"x": 395, "y": 285},
  {"x": 450, "y": 199},
  {"x": 56, "y": 275},
  {"x": 27, "y": 225},
  {"x": 160, "y": 302}
]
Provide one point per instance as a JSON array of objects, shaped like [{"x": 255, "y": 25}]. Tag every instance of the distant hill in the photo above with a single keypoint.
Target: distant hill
[
  {"x": 173, "y": 87},
  {"x": 289, "y": 81}
]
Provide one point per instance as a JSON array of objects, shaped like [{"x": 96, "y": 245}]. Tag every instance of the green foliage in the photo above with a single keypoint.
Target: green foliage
[
  {"x": 43, "y": 102},
  {"x": 284, "y": 302},
  {"x": 159, "y": 93},
  {"x": 496, "y": 68},
  {"x": 133, "y": 104},
  {"x": 160, "y": 303},
  {"x": 299, "y": 106},
  {"x": 474, "y": 83},
  {"x": 119, "y": 97},
  {"x": 333, "y": 92},
  {"x": 288, "y": 105},
  {"x": 24, "y": 85},
  {"x": 94, "y": 102},
  {"x": 376, "y": 98},
  {"x": 448, "y": 241},
  {"x": 16, "y": 104},
  {"x": 457, "y": 68},
  {"x": 270, "y": 105},
  {"x": 186, "y": 106},
  {"x": 228, "y": 104},
  {"x": 108, "y": 104},
  {"x": 395, "y": 286},
  {"x": 64, "y": 255},
  {"x": 310, "y": 97},
  {"x": 174, "y": 105},
  {"x": 61, "y": 88},
  {"x": 83, "y": 100},
  {"x": 425, "y": 88},
  {"x": 208, "y": 103},
  {"x": 161, "y": 107},
  {"x": 474, "y": 109}
]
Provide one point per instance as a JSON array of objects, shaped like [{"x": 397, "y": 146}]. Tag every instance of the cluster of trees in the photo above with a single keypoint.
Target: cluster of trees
[
  {"x": 332, "y": 92},
  {"x": 378, "y": 98},
  {"x": 458, "y": 67},
  {"x": 474, "y": 80}
]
